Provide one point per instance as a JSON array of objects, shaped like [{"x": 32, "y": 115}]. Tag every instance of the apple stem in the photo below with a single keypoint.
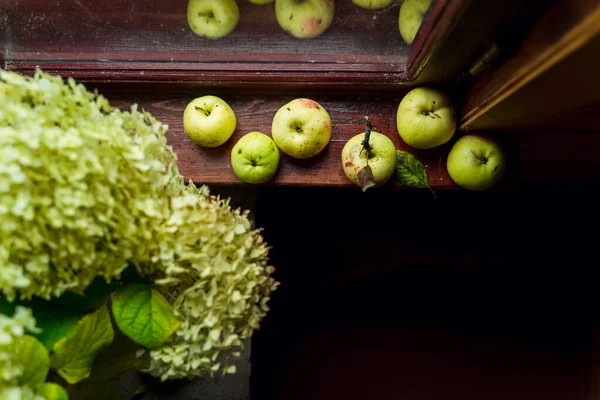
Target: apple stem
[
  {"x": 207, "y": 113},
  {"x": 365, "y": 143},
  {"x": 431, "y": 114},
  {"x": 482, "y": 159}
]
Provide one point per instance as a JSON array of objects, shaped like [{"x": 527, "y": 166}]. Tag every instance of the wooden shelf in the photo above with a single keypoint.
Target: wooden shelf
[
  {"x": 150, "y": 41},
  {"x": 255, "y": 113}
]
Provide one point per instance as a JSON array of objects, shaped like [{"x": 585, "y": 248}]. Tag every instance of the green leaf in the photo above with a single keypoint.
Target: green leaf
[
  {"x": 33, "y": 357},
  {"x": 53, "y": 391},
  {"x": 73, "y": 357},
  {"x": 144, "y": 315},
  {"x": 95, "y": 294},
  {"x": 54, "y": 321},
  {"x": 92, "y": 297},
  {"x": 56, "y": 324},
  {"x": 410, "y": 171},
  {"x": 121, "y": 357},
  {"x": 118, "y": 359}
]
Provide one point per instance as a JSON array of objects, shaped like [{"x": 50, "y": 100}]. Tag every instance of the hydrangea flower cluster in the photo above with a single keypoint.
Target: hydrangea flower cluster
[
  {"x": 82, "y": 185},
  {"x": 86, "y": 189},
  {"x": 219, "y": 278}
]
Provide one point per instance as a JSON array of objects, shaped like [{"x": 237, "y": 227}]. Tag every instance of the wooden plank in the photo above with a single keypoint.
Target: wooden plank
[
  {"x": 95, "y": 41},
  {"x": 255, "y": 113},
  {"x": 80, "y": 34},
  {"x": 567, "y": 27}
]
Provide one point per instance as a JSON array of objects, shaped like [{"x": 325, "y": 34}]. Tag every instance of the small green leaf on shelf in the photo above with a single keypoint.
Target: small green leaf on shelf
[
  {"x": 144, "y": 315},
  {"x": 53, "y": 391},
  {"x": 365, "y": 178},
  {"x": 410, "y": 171},
  {"x": 73, "y": 357},
  {"x": 29, "y": 353}
]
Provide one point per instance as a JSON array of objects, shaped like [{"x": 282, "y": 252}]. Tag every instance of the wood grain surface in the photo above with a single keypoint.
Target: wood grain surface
[
  {"x": 157, "y": 30},
  {"x": 255, "y": 113},
  {"x": 150, "y": 41}
]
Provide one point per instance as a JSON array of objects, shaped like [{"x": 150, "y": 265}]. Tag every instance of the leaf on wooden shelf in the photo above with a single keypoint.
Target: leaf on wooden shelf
[{"x": 410, "y": 171}]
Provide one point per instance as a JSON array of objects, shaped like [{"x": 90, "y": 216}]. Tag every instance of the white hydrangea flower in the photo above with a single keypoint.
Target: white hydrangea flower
[
  {"x": 82, "y": 185},
  {"x": 86, "y": 189},
  {"x": 220, "y": 282}
]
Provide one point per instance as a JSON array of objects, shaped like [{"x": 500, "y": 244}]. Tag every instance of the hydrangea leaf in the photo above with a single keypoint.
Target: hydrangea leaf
[
  {"x": 73, "y": 357},
  {"x": 144, "y": 315},
  {"x": 29, "y": 353},
  {"x": 53, "y": 391},
  {"x": 55, "y": 322},
  {"x": 97, "y": 292},
  {"x": 410, "y": 171},
  {"x": 92, "y": 297}
]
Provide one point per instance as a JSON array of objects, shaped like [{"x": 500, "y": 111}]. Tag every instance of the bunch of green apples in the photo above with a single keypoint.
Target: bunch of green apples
[
  {"x": 300, "y": 128},
  {"x": 426, "y": 119},
  {"x": 303, "y": 19}
]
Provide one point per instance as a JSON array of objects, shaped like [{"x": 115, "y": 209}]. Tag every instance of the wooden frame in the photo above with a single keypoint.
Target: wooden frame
[
  {"x": 232, "y": 69},
  {"x": 348, "y": 92},
  {"x": 559, "y": 53}
]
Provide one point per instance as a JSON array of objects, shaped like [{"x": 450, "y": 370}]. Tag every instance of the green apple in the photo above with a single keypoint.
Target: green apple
[
  {"x": 426, "y": 118},
  {"x": 255, "y": 158},
  {"x": 301, "y": 128},
  {"x": 304, "y": 19},
  {"x": 372, "y": 4},
  {"x": 213, "y": 18},
  {"x": 411, "y": 18},
  {"x": 382, "y": 158},
  {"x": 261, "y": 1},
  {"x": 209, "y": 121},
  {"x": 476, "y": 162}
]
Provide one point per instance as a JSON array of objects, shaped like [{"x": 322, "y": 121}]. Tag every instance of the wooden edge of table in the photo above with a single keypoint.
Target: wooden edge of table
[{"x": 255, "y": 113}]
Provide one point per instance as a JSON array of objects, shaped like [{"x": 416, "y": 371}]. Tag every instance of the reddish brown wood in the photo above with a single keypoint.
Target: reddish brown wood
[
  {"x": 439, "y": 21},
  {"x": 90, "y": 35},
  {"x": 179, "y": 72},
  {"x": 118, "y": 39},
  {"x": 255, "y": 113}
]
